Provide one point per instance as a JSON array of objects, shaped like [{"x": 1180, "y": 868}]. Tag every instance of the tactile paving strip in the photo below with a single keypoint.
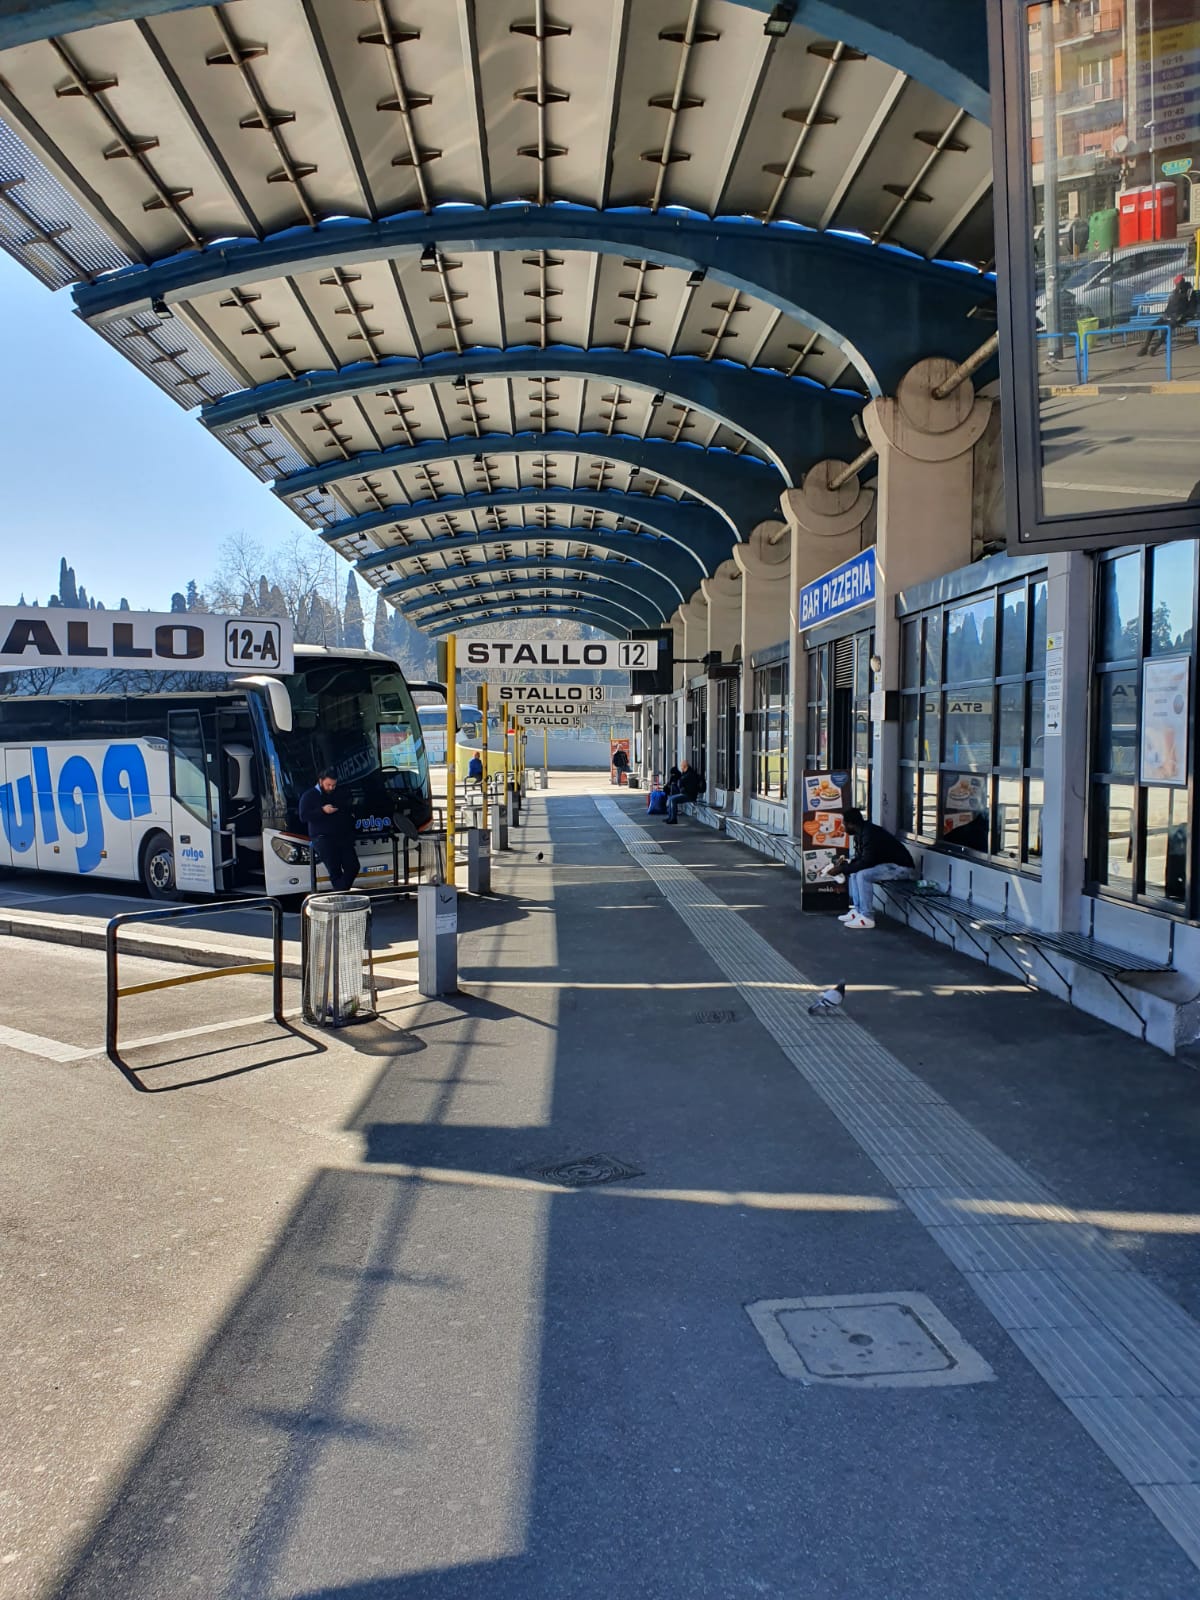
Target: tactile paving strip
[{"x": 1117, "y": 1351}]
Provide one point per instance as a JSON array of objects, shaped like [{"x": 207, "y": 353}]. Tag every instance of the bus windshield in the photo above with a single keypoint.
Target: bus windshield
[{"x": 355, "y": 718}]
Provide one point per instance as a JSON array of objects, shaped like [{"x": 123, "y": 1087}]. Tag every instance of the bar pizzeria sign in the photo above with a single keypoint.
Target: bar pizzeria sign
[{"x": 850, "y": 585}]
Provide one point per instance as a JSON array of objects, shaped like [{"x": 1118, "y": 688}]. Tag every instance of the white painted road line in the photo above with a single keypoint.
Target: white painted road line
[
  {"x": 1117, "y": 1351},
  {"x": 33, "y": 1044}
]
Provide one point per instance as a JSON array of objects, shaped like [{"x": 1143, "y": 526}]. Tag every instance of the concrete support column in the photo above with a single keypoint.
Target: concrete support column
[
  {"x": 678, "y": 647},
  {"x": 1065, "y": 752},
  {"x": 926, "y": 496},
  {"x": 765, "y": 562},
  {"x": 694, "y": 616},
  {"x": 827, "y": 526},
  {"x": 724, "y": 593}
]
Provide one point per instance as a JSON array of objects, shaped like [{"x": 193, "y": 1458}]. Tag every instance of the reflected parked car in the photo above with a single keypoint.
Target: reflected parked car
[{"x": 1107, "y": 288}]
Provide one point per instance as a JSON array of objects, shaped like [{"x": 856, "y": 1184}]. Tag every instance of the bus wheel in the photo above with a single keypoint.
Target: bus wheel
[{"x": 158, "y": 866}]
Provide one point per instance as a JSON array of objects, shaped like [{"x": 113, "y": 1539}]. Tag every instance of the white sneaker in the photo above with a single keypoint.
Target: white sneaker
[
  {"x": 848, "y": 916},
  {"x": 858, "y": 922}
]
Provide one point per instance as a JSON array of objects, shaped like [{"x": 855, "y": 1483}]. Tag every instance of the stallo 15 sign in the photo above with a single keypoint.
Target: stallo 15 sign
[
  {"x": 192, "y": 641},
  {"x": 622, "y": 655}
]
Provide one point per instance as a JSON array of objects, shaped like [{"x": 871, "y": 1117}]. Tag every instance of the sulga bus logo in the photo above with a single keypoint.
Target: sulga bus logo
[{"x": 76, "y": 805}]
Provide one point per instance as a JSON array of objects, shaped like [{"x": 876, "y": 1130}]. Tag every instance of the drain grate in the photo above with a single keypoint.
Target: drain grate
[
  {"x": 585, "y": 1170},
  {"x": 716, "y": 1016}
]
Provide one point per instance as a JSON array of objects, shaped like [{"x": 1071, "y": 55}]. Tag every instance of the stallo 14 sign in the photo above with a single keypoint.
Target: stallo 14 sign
[{"x": 193, "y": 641}]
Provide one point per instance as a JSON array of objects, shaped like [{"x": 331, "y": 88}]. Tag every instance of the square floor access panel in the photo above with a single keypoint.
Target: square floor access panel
[{"x": 866, "y": 1341}]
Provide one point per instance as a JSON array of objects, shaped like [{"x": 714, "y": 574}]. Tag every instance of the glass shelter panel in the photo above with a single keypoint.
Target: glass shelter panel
[{"x": 1099, "y": 143}]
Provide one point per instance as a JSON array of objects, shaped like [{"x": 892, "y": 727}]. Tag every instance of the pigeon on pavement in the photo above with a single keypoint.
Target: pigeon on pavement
[
  {"x": 540, "y": 854},
  {"x": 829, "y": 1003}
]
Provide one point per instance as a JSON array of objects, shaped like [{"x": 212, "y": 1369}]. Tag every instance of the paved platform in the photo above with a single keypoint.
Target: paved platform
[{"x": 341, "y": 1324}]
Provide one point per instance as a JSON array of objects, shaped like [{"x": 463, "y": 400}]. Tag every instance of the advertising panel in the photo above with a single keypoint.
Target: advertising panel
[{"x": 826, "y": 842}]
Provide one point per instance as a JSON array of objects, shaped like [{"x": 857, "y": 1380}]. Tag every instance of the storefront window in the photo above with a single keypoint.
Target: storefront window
[
  {"x": 725, "y": 757},
  {"x": 972, "y": 729},
  {"x": 839, "y": 708},
  {"x": 768, "y": 732},
  {"x": 1143, "y": 715}
]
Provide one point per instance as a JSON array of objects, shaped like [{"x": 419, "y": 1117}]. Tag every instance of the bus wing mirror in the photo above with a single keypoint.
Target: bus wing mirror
[
  {"x": 240, "y": 759},
  {"x": 278, "y": 700},
  {"x": 405, "y": 825}
]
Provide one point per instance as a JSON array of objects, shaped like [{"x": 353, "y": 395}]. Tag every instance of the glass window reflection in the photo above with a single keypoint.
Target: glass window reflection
[{"x": 1112, "y": 131}]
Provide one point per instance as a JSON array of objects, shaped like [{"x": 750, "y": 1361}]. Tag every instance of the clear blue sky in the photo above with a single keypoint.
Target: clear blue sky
[{"x": 98, "y": 465}]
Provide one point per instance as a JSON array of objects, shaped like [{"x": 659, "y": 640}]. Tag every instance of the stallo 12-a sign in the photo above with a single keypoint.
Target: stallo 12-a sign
[{"x": 191, "y": 641}]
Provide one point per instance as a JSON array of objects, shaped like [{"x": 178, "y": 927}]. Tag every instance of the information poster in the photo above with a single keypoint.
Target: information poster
[
  {"x": 1165, "y": 707},
  {"x": 826, "y": 842}
]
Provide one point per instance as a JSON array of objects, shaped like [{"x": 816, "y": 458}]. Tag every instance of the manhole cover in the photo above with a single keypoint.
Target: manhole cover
[
  {"x": 585, "y": 1170},
  {"x": 716, "y": 1016},
  {"x": 866, "y": 1341}
]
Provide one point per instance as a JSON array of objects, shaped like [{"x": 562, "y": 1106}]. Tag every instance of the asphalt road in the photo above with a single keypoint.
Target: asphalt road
[{"x": 325, "y": 1328}]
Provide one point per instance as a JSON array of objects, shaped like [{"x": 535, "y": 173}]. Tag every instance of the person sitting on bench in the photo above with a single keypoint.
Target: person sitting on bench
[{"x": 688, "y": 787}]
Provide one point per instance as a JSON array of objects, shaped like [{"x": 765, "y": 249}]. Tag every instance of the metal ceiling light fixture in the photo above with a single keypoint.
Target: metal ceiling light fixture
[
  {"x": 696, "y": 278},
  {"x": 780, "y": 19},
  {"x": 160, "y": 307},
  {"x": 429, "y": 258}
]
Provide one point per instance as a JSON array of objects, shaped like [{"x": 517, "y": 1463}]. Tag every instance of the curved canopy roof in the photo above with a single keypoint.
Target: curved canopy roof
[{"x": 515, "y": 299}]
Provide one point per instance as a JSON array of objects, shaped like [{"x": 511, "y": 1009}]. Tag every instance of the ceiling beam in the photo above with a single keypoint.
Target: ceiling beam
[
  {"x": 743, "y": 489},
  {"x": 596, "y": 614},
  {"x": 693, "y": 527},
  {"x": 638, "y": 616},
  {"x": 790, "y": 420},
  {"x": 883, "y": 309},
  {"x": 669, "y": 561},
  {"x": 942, "y": 43},
  {"x": 628, "y": 574},
  {"x": 626, "y": 595}
]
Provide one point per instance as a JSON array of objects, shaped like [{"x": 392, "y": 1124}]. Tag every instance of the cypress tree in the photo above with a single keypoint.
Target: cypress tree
[{"x": 353, "y": 628}]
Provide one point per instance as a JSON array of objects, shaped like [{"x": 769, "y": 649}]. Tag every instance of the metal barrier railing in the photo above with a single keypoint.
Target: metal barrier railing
[{"x": 115, "y": 992}]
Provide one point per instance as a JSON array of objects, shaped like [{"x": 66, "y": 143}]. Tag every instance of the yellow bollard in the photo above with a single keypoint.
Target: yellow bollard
[{"x": 451, "y": 741}]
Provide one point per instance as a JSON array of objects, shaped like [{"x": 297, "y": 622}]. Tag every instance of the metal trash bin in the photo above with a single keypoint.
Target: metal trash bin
[{"x": 336, "y": 969}]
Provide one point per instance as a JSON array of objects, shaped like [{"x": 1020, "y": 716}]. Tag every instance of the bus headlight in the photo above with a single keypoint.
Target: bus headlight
[{"x": 292, "y": 851}]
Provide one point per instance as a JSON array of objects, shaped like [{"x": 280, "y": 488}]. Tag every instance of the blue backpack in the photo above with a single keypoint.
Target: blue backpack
[{"x": 656, "y": 805}]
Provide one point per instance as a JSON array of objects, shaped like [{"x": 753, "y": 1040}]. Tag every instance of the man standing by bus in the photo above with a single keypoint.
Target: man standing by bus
[{"x": 325, "y": 811}]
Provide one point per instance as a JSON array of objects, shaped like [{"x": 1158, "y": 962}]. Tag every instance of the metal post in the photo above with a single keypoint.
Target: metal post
[
  {"x": 545, "y": 758},
  {"x": 506, "y": 795},
  {"x": 451, "y": 741},
  {"x": 483, "y": 706},
  {"x": 1050, "y": 177},
  {"x": 499, "y": 826},
  {"x": 437, "y": 938},
  {"x": 479, "y": 862}
]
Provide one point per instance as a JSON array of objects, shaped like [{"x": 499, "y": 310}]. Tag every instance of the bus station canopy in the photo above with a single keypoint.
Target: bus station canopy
[{"x": 526, "y": 306}]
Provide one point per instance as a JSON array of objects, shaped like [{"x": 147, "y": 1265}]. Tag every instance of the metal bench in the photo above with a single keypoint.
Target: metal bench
[{"x": 1079, "y": 948}]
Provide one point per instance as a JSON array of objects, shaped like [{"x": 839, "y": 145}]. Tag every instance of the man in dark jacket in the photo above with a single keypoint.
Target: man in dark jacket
[
  {"x": 1180, "y": 308},
  {"x": 687, "y": 787},
  {"x": 878, "y": 855},
  {"x": 325, "y": 811}
]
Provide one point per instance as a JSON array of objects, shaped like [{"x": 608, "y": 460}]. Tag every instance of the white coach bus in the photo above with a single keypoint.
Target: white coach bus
[{"x": 199, "y": 791}]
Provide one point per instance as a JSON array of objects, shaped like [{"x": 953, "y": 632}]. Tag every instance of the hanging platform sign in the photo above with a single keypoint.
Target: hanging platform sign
[
  {"x": 845, "y": 587},
  {"x": 622, "y": 655},
  {"x": 553, "y": 696},
  {"x": 181, "y": 641}
]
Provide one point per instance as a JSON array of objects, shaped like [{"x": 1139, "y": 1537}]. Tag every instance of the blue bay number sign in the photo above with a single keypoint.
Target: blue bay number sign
[{"x": 850, "y": 585}]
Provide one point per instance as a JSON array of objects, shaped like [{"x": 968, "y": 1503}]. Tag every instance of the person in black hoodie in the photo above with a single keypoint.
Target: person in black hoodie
[
  {"x": 878, "y": 855},
  {"x": 325, "y": 811},
  {"x": 687, "y": 786}
]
